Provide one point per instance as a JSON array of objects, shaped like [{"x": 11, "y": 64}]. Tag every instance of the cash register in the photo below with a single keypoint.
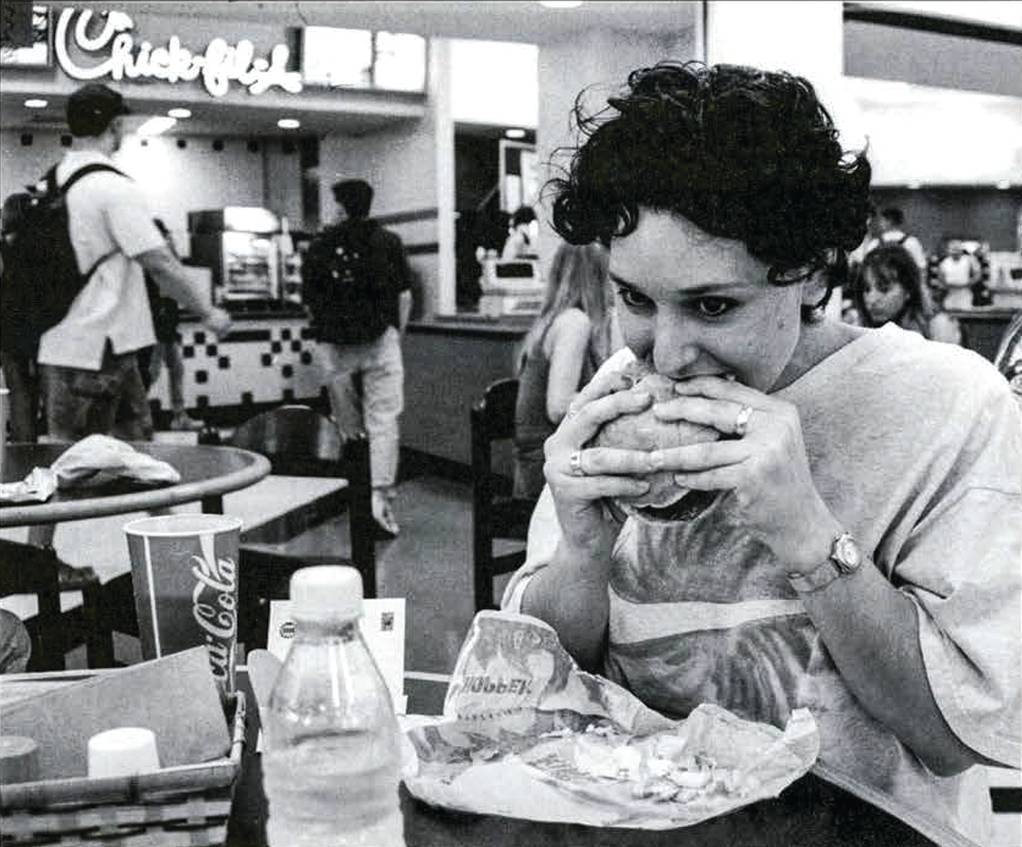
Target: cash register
[{"x": 510, "y": 286}]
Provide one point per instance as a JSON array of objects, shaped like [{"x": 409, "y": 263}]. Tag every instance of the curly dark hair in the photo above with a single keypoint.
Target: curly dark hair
[{"x": 742, "y": 153}]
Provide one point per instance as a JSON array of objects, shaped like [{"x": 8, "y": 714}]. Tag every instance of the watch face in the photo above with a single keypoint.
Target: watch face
[{"x": 846, "y": 553}]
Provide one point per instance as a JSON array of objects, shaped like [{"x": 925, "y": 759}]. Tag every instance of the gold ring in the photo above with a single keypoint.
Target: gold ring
[
  {"x": 575, "y": 463},
  {"x": 742, "y": 420}
]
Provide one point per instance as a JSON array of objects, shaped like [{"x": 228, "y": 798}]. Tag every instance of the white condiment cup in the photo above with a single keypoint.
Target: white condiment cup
[{"x": 124, "y": 751}]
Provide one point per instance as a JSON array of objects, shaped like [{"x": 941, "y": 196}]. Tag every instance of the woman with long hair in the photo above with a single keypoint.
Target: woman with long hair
[
  {"x": 570, "y": 339},
  {"x": 890, "y": 290}
]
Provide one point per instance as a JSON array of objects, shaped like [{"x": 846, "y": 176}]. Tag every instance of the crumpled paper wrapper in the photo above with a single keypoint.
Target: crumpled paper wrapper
[
  {"x": 516, "y": 709},
  {"x": 37, "y": 487},
  {"x": 99, "y": 459}
]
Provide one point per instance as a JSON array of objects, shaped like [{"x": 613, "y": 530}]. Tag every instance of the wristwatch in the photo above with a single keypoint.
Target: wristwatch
[{"x": 844, "y": 560}]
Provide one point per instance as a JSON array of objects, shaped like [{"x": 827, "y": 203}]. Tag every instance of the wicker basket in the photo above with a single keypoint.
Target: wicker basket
[{"x": 186, "y": 805}]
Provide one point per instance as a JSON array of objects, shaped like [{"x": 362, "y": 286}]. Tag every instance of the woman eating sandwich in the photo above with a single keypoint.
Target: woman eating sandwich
[{"x": 854, "y": 541}]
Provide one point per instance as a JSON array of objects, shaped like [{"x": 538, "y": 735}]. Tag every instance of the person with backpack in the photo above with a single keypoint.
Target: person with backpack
[
  {"x": 357, "y": 283},
  {"x": 17, "y": 358},
  {"x": 91, "y": 238}
]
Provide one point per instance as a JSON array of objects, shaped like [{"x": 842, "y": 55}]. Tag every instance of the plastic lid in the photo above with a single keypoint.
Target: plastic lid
[{"x": 326, "y": 592}]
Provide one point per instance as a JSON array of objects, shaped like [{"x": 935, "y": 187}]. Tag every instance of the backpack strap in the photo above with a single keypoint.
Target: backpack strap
[{"x": 85, "y": 170}]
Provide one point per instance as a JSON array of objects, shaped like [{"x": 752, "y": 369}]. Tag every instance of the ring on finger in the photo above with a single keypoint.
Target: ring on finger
[
  {"x": 575, "y": 463},
  {"x": 741, "y": 424}
]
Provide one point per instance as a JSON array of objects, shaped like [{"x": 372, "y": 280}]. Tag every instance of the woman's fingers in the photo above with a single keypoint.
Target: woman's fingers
[
  {"x": 701, "y": 457},
  {"x": 582, "y": 422},
  {"x": 601, "y": 385},
  {"x": 718, "y": 479},
  {"x": 594, "y": 461},
  {"x": 719, "y": 414},
  {"x": 596, "y": 487}
]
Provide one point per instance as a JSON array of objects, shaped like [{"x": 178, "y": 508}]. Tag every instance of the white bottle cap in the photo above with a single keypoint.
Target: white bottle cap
[
  {"x": 124, "y": 751},
  {"x": 326, "y": 593}
]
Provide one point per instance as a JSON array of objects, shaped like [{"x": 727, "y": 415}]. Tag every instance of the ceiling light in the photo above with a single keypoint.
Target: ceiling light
[
  {"x": 35, "y": 103},
  {"x": 179, "y": 113},
  {"x": 289, "y": 123},
  {"x": 1004, "y": 184},
  {"x": 156, "y": 125},
  {"x": 514, "y": 133},
  {"x": 913, "y": 186},
  {"x": 560, "y": 4}
]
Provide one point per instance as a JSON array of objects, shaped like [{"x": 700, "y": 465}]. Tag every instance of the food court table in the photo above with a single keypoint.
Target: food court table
[
  {"x": 809, "y": 813},
  {"x": 207, "y": 473}
]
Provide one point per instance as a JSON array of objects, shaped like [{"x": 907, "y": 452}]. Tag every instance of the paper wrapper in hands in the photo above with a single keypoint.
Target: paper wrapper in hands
[
  {"x": 99, "y": 459},
  {"x": 528, "y": 734}
]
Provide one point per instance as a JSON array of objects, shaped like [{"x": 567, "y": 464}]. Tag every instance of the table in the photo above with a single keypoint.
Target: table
[
  {"x": 811, "y": 812},
  {"x": 207, "y": 473}
]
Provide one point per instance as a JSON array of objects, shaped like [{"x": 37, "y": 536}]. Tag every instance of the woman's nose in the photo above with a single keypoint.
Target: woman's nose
[{"x": 674, "y": 351}]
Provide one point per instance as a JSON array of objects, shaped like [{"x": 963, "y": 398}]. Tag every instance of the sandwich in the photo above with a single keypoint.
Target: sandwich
[{"x": 666, "y": 501}]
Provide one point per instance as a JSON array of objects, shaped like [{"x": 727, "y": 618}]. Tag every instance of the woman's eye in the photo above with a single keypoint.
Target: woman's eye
[
  {"x": 632, "y": 298},
  {"x": 714, "y": 307}
]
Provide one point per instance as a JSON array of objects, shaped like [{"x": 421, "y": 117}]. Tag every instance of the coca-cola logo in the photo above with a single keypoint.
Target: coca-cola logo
[{"x": 214, "y": 607}]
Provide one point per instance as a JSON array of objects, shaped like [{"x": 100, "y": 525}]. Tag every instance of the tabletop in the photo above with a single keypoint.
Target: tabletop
[
  {"x": 207, "y": 472},
  {"x": 808, "y": 813}
]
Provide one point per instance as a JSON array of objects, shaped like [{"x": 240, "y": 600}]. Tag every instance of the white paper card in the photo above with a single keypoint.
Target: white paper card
[{"x": 383, "y": 628}]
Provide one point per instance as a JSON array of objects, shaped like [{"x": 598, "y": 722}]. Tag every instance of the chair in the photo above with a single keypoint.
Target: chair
[
  {"x": 27, "y": 569},
  {"x": 495, "y": 514},
  {"x": 299, "y": 441}
]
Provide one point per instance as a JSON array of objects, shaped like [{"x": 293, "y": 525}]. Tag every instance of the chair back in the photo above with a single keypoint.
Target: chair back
[
  {"x": 297, "y": 440},
  {"x": 494, "y": 514},
  {"x": 34, "y": 570},
  {"x": 300, "y": 441}
]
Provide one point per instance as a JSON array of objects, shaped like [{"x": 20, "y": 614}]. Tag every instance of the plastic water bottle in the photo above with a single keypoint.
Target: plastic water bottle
[{"x": 331, "y": 748}]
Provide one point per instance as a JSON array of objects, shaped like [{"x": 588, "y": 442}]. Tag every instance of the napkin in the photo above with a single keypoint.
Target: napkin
[
  {"x": 98, "y": 459},
  {"x": 526, "y": 733},
  {"x": 37, "y": 487}
]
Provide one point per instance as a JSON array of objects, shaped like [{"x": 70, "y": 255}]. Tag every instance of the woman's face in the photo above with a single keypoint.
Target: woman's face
[
  {"x": 696, "y": 304},
  {"x": 883, "y": 295}
]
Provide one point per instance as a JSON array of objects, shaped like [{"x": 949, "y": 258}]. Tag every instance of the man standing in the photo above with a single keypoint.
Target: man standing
[
  {"x": 88, "y": 361},
  {"x": 889, "y": 230},
  {"x": 357, "y": 287}
]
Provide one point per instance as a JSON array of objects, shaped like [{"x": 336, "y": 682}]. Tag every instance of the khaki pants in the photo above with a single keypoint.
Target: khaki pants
[{"x": 376, "y": 412}]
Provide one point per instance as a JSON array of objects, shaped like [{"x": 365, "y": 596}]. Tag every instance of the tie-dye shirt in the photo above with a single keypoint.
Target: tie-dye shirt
[{"x": 916, "y": 447}]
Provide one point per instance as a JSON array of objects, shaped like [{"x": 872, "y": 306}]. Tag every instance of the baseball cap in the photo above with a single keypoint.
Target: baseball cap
[{"x": 91, "y": 109}]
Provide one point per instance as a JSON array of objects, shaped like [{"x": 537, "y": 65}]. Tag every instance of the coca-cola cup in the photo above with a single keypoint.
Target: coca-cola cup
[{"x": 185, "y": 575}]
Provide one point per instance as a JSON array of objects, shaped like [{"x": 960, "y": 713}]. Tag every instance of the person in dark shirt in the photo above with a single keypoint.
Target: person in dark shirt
[{"x": 357, "y": 288}]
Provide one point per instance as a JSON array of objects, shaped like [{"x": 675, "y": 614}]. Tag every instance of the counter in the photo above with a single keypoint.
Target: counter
[
  {"x": 448, "y": 364},
  {"x": 266, "y": 359},
  {"x": 983, "y": 327},
  {"x": 270, "y": 358}
]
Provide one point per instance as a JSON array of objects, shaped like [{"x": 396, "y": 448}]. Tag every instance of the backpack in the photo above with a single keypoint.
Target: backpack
[
  {"x": 40, "y": 272},
  {"x": 345, "y": 272}
]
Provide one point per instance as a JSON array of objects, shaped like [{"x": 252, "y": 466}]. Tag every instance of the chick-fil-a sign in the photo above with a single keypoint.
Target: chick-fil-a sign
[{"x": 125, "y": 58}]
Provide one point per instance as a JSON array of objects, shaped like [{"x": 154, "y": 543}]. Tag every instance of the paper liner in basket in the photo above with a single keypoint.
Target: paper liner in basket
[{"x": 527, "y": 734}]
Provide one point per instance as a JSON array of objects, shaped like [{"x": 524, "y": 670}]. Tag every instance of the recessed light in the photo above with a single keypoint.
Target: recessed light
[
  {"x": 1004, "y": 185},
  {"x": 560, "y": 4},
  {"x": 35, "y": 103},
  {"x": 912, "y": 186},
  {"x": 514, "y": 133},
  {"x": 179, "y": 113},
  {"x": 289, "y": 123}
]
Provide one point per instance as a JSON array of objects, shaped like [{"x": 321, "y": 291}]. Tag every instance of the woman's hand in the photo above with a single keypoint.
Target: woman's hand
[
  {"x": 765, "y": 467},
  {"x": 598, "y": 472}
]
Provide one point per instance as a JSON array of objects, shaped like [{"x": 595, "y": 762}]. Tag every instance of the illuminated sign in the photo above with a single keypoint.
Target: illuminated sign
[{"x": 121, "y": 57}]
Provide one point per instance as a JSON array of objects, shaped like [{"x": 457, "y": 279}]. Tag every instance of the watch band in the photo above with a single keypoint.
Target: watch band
[
  {"x": 819, "y": 577},
  {"x": 845, "y": 559}
]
